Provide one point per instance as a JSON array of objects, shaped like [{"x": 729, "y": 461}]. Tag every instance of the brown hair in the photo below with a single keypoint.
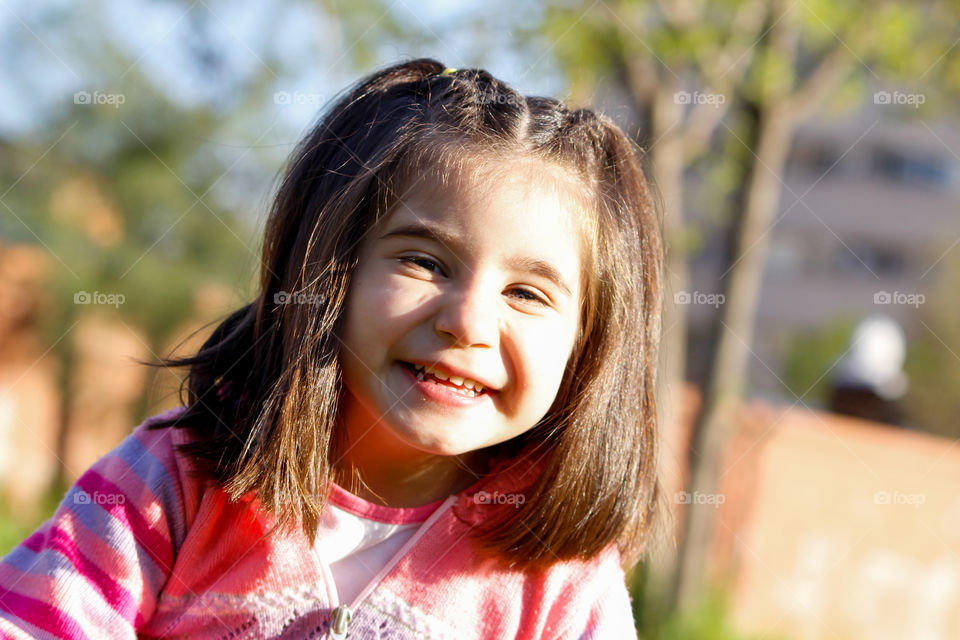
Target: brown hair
[{"x": 263, "y": 390}]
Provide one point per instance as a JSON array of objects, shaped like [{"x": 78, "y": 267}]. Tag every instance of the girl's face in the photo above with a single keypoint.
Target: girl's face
[{"x": 475, "y": 281}]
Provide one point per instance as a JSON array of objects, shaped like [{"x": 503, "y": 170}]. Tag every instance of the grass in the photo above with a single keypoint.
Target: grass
[
  {"x": 708, "y": 620},
  {"x": 16, "y": 527}
]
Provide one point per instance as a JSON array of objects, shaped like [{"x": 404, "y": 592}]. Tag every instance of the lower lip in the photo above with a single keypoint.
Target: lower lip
[{"x": 439, "y": 392}]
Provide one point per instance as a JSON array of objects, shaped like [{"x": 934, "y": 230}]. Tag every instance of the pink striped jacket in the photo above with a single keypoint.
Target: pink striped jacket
[{"x": 141, "y": 549}]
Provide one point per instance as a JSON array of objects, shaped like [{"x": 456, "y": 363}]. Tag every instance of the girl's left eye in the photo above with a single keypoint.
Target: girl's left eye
[
  {"x": 529, "y": 296},
  {"x": 524, "y": 295}
]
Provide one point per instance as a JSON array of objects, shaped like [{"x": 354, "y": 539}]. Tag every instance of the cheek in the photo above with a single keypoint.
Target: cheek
[
  {"x": 364, "y": 316},
  {"x": 398, "y": 295},
  {"x": 545, "y": 356},
  {"x": 382, "y": 306}
]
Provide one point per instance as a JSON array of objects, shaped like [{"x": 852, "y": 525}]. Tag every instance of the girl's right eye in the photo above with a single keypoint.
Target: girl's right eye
[{"x": 420, "y": 262}]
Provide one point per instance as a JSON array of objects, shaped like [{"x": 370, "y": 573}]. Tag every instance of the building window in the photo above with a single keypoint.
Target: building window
[{"x": 913, "y": 168}]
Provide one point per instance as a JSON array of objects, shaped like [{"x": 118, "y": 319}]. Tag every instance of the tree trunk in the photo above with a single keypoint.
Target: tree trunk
[
  {"x": 667, "y": 156},
  {"x": 728, "y": 375}
]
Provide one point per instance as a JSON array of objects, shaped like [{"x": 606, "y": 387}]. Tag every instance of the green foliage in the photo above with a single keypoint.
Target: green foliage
[
  {"x": 15, "y": 527},
  {"x": 811, "y": 358},
  {"x": 821, "y": 20},
  {"x": 772, "y": 76},
  {"x": 124, "y": 198},
  {"x": 708, "y": 620},
  {"x": 591, "y": 42}
]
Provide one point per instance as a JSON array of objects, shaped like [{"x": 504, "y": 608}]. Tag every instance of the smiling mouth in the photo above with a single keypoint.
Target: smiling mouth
[{"x": 460, "y": 389}]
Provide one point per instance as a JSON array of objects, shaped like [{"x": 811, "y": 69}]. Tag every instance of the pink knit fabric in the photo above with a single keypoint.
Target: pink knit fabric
[{"x": 138, "y": 548}]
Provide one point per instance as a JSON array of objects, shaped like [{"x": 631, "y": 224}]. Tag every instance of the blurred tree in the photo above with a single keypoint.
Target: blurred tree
[
  {"x": 751, "y": 71},
  {"x": 933, "y": 359},
  {"x": 152, "y": 137}
]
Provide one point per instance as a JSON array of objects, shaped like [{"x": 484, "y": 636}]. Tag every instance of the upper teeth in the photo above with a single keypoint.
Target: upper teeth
[{"x": 460, "y": 382}]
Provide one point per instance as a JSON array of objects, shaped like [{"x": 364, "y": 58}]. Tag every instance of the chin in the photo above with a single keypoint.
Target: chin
[
  {"x": 443, "y": 449},
  {"x": 436, "y": 446}
]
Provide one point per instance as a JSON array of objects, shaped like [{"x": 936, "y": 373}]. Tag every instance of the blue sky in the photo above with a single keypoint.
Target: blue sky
[{"x": 45, "y": 45}]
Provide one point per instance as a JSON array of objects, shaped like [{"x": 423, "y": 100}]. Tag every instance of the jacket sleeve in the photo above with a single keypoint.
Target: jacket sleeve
[{"x": 97, "y": 566}]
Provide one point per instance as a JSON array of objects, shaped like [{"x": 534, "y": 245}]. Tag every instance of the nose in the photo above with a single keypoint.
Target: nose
[{"x": 469, "y": 315}]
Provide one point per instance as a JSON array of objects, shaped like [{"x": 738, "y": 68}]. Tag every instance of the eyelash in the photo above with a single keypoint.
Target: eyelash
[{"x": 417, "y": 260}]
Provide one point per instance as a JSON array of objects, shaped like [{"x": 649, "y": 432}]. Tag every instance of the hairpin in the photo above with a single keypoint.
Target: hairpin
[{"x": 449, "y": 71}]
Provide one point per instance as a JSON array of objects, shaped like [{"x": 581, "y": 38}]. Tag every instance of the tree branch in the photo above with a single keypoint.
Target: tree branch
[
  {"x": 818, "y": 84},
  {"x": 720, "y": 76}
]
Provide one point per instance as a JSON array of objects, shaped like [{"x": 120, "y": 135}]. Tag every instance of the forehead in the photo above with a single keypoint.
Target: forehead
[{"x": 541, "y": 203}]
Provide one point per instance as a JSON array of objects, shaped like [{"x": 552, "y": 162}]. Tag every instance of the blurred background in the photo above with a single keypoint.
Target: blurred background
[{"x": 807, "y": 159}]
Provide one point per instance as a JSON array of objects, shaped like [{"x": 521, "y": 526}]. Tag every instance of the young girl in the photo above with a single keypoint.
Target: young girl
[{"x": 437, "y": 419}]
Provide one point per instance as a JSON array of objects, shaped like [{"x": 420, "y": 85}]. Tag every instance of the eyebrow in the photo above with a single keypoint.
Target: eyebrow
[{"x": 443, "y": 237}]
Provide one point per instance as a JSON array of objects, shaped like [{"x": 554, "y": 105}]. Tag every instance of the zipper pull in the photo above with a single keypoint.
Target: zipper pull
[{"x": 339, "y": 621}]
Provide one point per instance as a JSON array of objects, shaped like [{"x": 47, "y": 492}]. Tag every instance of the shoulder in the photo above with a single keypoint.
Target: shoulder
[
  {"x": 596, "y": 602},
  {"x": 150, "y": 452},
  {"x": 479, "y": 596},
  {"x": 575, "y": 598},
  {"x": 146, "y": 470},
  {"x": 144, "y": 460},
  {"x": 105, "y": 554},
  {"x": 173, "y": 467}
]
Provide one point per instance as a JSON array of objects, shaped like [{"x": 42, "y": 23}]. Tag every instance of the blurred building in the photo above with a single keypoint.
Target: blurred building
[{"x": 867, "y": 214}]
